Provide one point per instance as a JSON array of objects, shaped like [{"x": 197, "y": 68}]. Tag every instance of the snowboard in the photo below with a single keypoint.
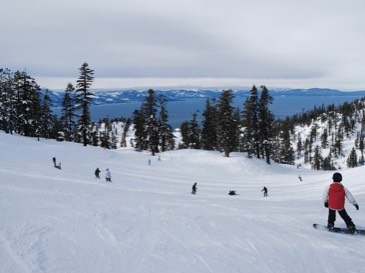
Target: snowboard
[{"x": 339, "y": 230}]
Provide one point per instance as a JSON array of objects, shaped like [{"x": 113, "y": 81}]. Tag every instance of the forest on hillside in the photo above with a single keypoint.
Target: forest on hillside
[{"x": 318, "y": 137}]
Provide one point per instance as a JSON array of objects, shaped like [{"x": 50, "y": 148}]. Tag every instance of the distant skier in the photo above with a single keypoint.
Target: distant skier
[
  {"x": 108, "y": 176},
  {"x": 300, "y": 178},
  {"x": 265, "y": 191},
  {"x": 334, "y": 199},
  {"x": 194, "y": 188},
  {"x": 54, "y": 161},
  {"x": 97, "y": 173},
  {"x": 232, "y": 193}
]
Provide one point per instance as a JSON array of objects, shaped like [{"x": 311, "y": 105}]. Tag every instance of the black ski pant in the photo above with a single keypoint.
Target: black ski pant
[{"x": 343, "y": 214}]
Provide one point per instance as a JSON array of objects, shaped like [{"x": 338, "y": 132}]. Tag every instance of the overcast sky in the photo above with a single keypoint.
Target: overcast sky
[{"x": 149, "y": 43}]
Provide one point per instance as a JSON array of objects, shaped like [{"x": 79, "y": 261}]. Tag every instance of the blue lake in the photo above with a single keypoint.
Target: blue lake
[{"x": 180, "y": 111}]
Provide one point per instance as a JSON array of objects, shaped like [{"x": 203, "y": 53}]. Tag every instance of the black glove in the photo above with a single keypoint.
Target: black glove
[
  {"x": 326, "y": 204},
  {"x": 356, "y": 206}
]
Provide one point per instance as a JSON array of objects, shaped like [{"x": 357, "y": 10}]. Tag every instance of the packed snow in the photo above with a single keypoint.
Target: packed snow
[{"x": 147, "y": 220}]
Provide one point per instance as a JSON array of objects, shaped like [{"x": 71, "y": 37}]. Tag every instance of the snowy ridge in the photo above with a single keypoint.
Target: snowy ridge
[
  {"x": 125, "y": 96},
  {"x": 331, "y": 126},
  {"x": 146, "y": 220}
]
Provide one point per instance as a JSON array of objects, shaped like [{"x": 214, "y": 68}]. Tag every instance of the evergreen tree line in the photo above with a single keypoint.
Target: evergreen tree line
[
  {"x": 321, "y": 135},
  {"x": 228, "y": 129},
  {"x": 316, "y": 136},
  {"x": 23, "y": 109},
  {"x": 151, "y": 129},
  {"x": 25, "y": 112}
]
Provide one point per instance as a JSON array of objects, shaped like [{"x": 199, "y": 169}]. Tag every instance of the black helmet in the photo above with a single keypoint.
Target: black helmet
[{"x": 337, "y": 177}]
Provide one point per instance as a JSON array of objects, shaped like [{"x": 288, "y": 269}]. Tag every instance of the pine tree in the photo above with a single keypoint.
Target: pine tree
[
  {"x": 209, "y": 130},
  {"x": 149, "y": 110},
  {"x": 352, "y": 159},
  {"x": 105, "y": 134},
  {"x": 167, "y": 141},
  {"x": 95, "y": 139},
  {"x": 113, "y": 141},
  {"x": 27, "y": 91},
  {"x": 125, "y": 128},
  {"x": 57, "y": 130},
  {"x": 83, "y": 99},
  {"x": 327, "y": 163},
  {"x": 194, "y": 133},
  {"x": 153, "y": 135},
  {"x": 184, "y": 131},
  {"x": 68, "y": 113},
  {"x": 337, "y": 146},
  {"x": 299, "y": 146},
  {"x": 146, "y": 124},
  {"x": 324, "y": 139},
  {"x": 47, "y": 118},
  {"x": 7, "y": 101},
  {"x": 250, "y": 123},
  {"x": 226, "y": 124},
  {"x": 140, "y": 132},
  {"x": 238, "y": 129},
  {"x": 265, "y": 124},
  {"x": 317, "y": 159},
  {"x": 361, "y": 148},
  {"x": 286, "y": 151},
  {"x": 307, "y": 152}
]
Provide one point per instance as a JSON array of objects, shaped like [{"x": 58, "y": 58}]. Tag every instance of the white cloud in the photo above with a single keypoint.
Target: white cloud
[{"x": 310, "y": 41}]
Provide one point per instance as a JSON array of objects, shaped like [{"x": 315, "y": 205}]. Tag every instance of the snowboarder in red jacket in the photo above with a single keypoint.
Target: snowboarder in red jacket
[{"x": 334, "y": 199}]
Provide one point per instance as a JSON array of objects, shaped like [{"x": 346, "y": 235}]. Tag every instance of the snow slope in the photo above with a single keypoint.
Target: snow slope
[{"x": 146, "y": 220}]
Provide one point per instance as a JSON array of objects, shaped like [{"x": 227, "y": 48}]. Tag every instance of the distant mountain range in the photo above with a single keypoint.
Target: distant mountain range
[{"x": 125, "y": 96}]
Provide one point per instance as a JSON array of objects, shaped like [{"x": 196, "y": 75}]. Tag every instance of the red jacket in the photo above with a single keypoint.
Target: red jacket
[{"x": 335, "y": 196}]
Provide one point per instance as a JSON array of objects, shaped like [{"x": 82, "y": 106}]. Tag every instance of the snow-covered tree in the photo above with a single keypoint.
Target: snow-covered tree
[
  {"x": 47, "y": 121},
  {"x": 7, "y": 101},
  {"x": 352, "y": 159},
  {"x": 167, "y": 141},
  {"x": 265, "y": 123},
  {"x": 83, "y": 100},
  {"x": 27, "y": 92},
  {"x": 250, "y": 122},
  {"x": 68, "y": 113},
  {"x": 209, "y": 128},
  {"x": 227, "y": 137}
]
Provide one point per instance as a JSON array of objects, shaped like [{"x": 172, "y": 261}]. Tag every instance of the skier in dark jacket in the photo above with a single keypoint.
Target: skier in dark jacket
[
  {"x": 194, "y": 188},
  {"x": 334, "y": 199},
  {"x": 97, "y": 173},
  {"x": 265, "y": 191}
]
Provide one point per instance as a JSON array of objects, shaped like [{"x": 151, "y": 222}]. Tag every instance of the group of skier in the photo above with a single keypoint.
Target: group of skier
[
  {"x": 333, "y": 197},
  {"x": 108, "y": 176},
  {"x": 194, "y": 188}
]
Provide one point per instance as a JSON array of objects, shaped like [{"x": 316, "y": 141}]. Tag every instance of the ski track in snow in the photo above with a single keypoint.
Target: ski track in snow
[{"x": 146, "y": 220}]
